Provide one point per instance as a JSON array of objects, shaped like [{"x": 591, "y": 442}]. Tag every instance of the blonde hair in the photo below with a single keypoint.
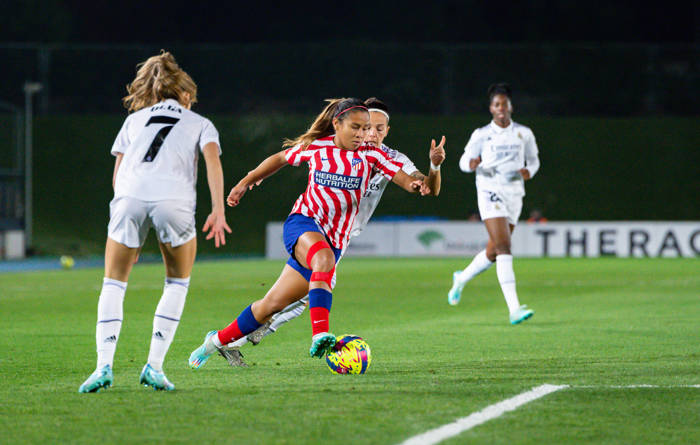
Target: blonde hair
[
  {"x": 323, "y": 124},
  {"x": 157, "y": 79}
]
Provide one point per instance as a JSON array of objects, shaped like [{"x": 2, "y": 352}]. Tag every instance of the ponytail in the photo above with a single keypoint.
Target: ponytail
[
  {"x": 157, "y": 79},
  {"x": 323, "y": 124}
]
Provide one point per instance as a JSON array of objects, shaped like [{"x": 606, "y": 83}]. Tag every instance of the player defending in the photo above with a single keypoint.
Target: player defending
[
  {"x": 504, "y": 155},
  {"x": 379, "y": 120},
  {"x": 154, "y": 186}
]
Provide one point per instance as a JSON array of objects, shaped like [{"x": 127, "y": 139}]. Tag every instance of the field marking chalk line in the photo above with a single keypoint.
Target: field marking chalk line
[{"x": 490, "y": 412}]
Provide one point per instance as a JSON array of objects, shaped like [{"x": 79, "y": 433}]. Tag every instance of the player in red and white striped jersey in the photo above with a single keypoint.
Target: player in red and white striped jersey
[
  {"x": 318, "y": 227},
  {"x": 337, "y": 181}
]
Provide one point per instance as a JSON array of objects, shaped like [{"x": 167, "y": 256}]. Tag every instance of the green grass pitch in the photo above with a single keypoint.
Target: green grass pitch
[{"x": 598, "y": 324}]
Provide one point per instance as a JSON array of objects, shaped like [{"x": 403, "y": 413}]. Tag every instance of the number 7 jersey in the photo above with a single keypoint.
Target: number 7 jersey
[{"x": 161, "y": 146}]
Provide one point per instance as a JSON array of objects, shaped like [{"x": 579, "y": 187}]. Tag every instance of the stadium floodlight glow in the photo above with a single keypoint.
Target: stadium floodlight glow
[{"x": 30, "y": 88}]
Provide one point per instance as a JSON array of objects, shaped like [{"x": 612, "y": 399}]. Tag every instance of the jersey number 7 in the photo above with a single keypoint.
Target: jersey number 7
[{"x": 160, "y": 136}]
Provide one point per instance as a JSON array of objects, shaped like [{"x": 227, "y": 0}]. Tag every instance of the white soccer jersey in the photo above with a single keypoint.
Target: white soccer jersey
[
  {"x": 161, "y": 147},
  {"x": 503, "y": 151},
  {"x": 375, "y": 189},
  {"x": 337, "y": 181}
]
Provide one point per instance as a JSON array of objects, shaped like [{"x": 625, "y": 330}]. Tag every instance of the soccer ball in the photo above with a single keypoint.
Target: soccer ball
[
  {"x": 350, "y": 355},
  {"x": 67, "y": 262}
]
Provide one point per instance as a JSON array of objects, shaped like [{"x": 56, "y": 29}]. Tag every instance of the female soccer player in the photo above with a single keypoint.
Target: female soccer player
[
  {"x": 318, "y": 228},
  {"x": 504, "y": 155},
  {"x": 379, "y": 129},
  {"x": 154, "y": 179}
]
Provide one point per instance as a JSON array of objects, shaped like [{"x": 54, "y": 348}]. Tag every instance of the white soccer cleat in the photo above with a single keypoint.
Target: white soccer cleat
[{"x": 455, "y": 293}]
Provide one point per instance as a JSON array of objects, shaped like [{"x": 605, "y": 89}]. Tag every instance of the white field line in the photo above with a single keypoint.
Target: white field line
[{"x": 490, "y": 412}]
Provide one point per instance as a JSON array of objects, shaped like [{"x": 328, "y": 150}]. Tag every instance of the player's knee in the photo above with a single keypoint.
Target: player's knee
[
  {"x": 502, "y": 248},
  {"x": 323, "y": 261}
]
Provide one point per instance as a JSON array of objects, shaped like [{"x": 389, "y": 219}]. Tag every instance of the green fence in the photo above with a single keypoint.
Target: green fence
[
  {"x": 555, "y": 79},
  {"x": 592, "y": 169}
]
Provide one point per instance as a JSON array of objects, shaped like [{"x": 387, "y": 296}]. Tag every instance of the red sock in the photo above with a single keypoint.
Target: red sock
[
  {"x": 319, "y": 319},
  {"x": 231, "y": 333}
]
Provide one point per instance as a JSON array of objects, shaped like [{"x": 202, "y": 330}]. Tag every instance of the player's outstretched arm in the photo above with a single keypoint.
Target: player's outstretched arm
[
  {"x": 267, "y": 168},
  {"x": 409, "y": 183},
  {"x": 216, "y": 221}
]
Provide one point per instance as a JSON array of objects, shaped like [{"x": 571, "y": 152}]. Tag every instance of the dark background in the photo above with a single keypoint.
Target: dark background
[
  {"x": 441, "y": 21},
  {"x": 610, "y": 90}
]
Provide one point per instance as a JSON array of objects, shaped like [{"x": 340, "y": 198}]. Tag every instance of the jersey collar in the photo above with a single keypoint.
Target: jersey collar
[{"x": 499, "y": 129}]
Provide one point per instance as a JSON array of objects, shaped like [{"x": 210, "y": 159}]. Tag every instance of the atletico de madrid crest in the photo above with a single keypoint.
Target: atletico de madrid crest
[{"x": 355, "y": 163}]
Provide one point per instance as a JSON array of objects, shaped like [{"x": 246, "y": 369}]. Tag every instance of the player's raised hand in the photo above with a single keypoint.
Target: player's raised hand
[
  {"x": 217, "y": 227},
  {"x": 474, "y": 162},
  {"x": 234, "y": 198},
  {"x": 437, "y": 153}
]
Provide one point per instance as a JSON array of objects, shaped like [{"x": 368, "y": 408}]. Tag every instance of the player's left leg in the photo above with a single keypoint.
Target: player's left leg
[
  {"x": 313, "y": 252},
  {"x": 500, "y": 231},
  {"x": 119, "y": 260}
]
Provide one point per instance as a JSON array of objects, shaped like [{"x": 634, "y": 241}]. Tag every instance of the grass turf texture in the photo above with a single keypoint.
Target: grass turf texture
[{"x": 597, "y": 322}]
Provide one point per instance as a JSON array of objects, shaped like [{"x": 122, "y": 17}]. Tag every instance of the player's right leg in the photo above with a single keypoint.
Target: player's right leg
[
  {"x": 290, "y": 287},
  {"x": 480, "y": 263},
  {"x": 231, "y": 352}
]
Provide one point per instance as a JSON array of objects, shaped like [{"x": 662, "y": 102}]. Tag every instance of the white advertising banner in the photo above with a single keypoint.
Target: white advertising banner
[{"x": 557, "y": 239}]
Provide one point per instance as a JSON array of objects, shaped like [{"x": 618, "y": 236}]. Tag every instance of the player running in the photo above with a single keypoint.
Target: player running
[
  {"x": 154, "y": 180},
  {"x": 504, "y": 155},
  {"x": 318, "y": 228},
  {"x": 379, "y": 121}
]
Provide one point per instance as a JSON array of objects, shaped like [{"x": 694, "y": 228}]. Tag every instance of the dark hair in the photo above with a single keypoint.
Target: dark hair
[
  {"x": 322, "y": 126},
  {"x": 500, "y": 88},
  {"x": 373, "y": 102}
]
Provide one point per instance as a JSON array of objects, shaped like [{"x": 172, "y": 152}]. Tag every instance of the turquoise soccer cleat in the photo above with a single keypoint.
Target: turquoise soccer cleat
[
  {"x": 155, "y": 379},
  {"x": 321, "y": 343},
  {"x": 200, "y": 355},
  {"x": 521, "y": 314},
  {"x": 455, "y": 293},
  {"x": 101, "y": 378}
]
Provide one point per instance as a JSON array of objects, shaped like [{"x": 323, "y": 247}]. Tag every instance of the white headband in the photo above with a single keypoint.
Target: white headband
[{"x": 380, "y": 111}]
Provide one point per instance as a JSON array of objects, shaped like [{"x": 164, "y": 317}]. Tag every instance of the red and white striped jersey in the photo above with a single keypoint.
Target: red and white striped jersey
[{"x": 337, "y": 181}]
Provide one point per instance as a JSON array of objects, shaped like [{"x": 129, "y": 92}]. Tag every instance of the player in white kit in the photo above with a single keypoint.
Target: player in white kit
[
  {"x": 379, "y": 120},
  {"x": 154, "y": 181},
  {"x": 504, "y": 155}
]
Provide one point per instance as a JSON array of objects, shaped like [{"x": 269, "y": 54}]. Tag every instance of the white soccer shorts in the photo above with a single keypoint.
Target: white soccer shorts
[
  {"x": 130, "y": 219},
  {"x": 495, "y": 204}
]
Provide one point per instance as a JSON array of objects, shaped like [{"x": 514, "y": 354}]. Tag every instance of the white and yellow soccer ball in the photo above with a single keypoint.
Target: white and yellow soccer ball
[
  {"x": 350, "y": 355},
  {"x": 67, "y": 262}
]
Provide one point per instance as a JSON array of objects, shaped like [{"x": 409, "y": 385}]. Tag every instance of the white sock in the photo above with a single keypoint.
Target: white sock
[
  {"x": 215, "y": 343},
  {"x": 166, "y": 319},
  {"x": 110, "y": 312},
  {"x": 287, "y": 314},
  {"x": 479, "y": 264},
  {"x": 506, "y": 278}
]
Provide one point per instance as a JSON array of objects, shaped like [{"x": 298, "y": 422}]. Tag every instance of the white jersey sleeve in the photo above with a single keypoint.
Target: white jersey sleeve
[
  {"x": 532, "y": 160},
  {"x": 123, "y": 140},
  {"x": 408, "y": 166},
  {"x": 208, "y": 134},
  {"x": 471, "y": 150}
]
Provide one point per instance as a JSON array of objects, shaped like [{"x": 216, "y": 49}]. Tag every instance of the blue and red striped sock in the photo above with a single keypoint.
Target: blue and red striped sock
[
  {"x": 243, "y": 325},
  {"x": 320, "y": 301}
]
